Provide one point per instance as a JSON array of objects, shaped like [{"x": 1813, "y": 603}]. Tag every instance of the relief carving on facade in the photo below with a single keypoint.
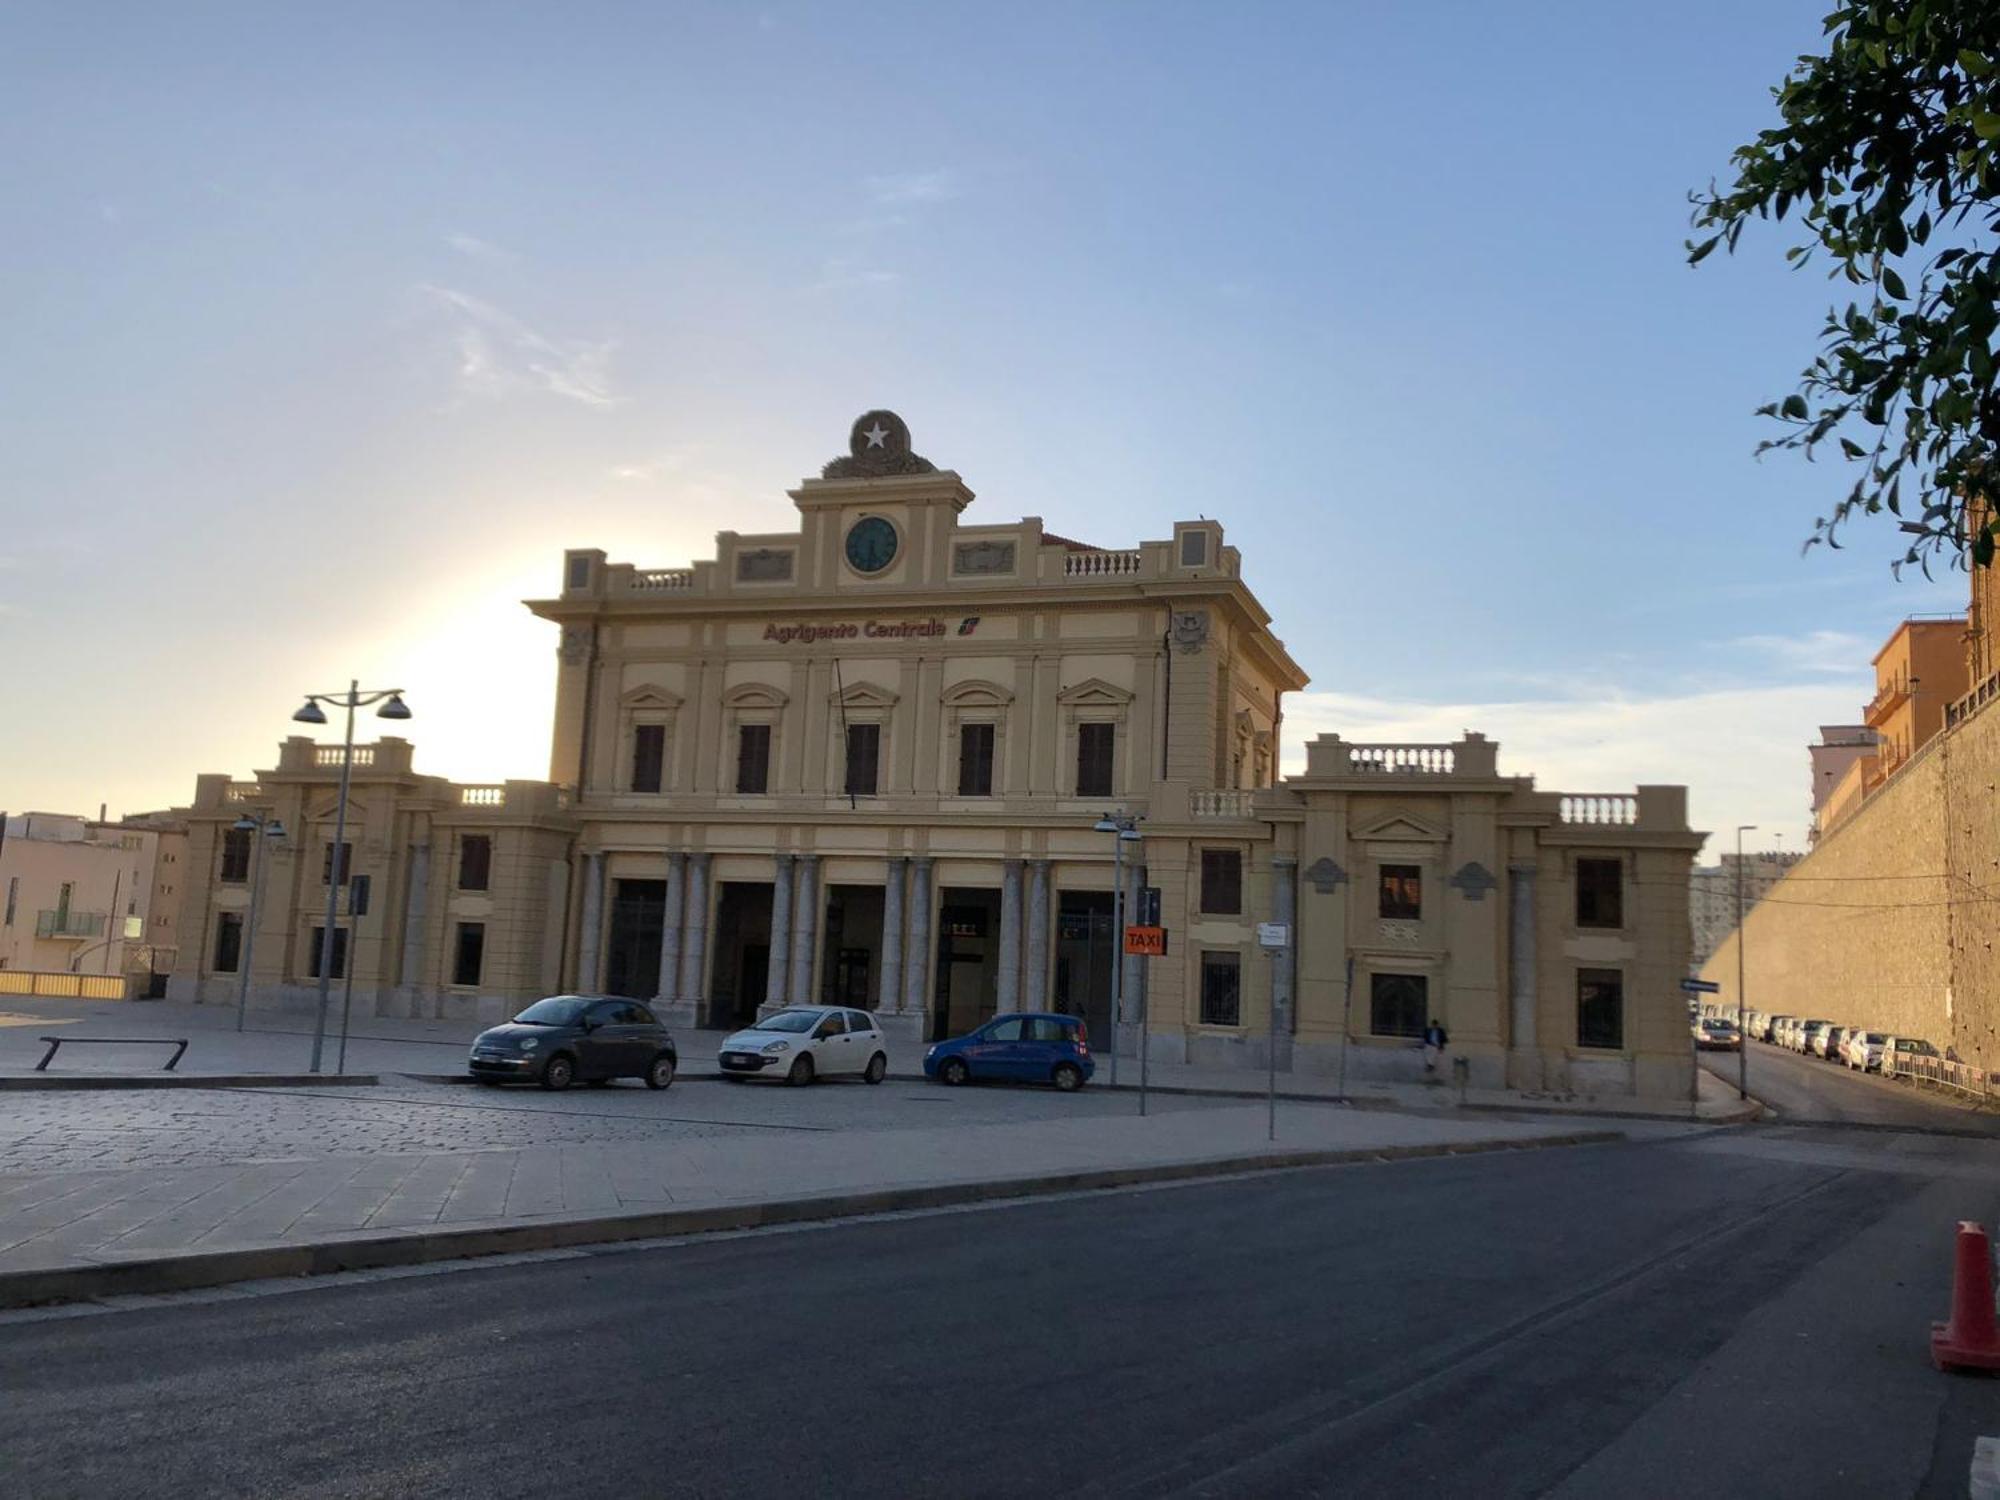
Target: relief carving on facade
[
  {"x": 1326, "y": 876},
  {"x": 764, "y": 565},
  {"x": 1400, "y": 934},
  {"x": 878, "y": 444},
  {"x": 973, "y": 558},
  {"x": 1473, "y": 880},
  {"x": 575, "y": 644},
  {"x": 1190, "y": 630}
]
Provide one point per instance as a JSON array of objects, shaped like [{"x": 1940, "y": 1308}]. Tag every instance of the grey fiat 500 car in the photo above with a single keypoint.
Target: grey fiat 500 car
[{"x": 561, "y": 1039}]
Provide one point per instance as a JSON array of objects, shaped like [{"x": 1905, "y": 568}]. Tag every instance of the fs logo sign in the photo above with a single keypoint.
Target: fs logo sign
[{"x": 969, "y": 624}]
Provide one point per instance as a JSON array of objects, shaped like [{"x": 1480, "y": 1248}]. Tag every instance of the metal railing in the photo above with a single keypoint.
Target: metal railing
[
  {"x": 62, "y": 986},
  {"x": 1943, "y": 1073},
  {"x": 69, "y": 924}
]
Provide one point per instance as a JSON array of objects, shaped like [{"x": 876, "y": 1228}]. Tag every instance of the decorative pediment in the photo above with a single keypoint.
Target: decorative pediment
[
  {"x": 648, "y": 695},
  {"x": 1094, "y": 692},
  {"x": 326, "y": 809},
  {"x": 1401, "y": 828},
  {"x": 863, "y": 695},
  {"x": 977, "y": 692},
  {"x": 754, "y": 695}
]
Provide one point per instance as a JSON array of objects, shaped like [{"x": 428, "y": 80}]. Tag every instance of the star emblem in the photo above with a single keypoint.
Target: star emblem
[{"x": 876, "y": 435}]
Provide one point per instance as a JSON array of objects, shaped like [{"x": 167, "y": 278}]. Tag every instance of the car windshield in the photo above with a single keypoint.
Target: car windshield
[
  {"x": 788, "y": 1020},
  {"x": 1876, "y": 1038},
  {"x": 557, "y": 1010},
  {"x": 1720, "y": 1025}
]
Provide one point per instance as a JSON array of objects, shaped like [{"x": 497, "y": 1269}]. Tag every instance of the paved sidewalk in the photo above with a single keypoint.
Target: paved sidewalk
[
  {"x": 281, "y": 1043},
  {"x": 81, "y": 1221}
]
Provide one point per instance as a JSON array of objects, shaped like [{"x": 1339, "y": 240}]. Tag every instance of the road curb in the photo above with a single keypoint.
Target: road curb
[
  {"x": 173, "y": 1273},
  {"x": 38, "y": 1081}
]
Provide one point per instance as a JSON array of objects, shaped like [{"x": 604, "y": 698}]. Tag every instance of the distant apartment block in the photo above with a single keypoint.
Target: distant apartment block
[
  {"x": 1920, "y": 672},
  {"x": 81, "y": 896},
  {"x": 1712, "y": 895}
]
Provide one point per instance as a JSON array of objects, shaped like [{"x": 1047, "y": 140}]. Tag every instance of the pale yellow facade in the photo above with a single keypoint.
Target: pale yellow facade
[{"x": 864, "y": 761}]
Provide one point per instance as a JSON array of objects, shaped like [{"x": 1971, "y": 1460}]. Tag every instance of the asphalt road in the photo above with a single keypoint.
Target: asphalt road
[
  {"x": 1801, "y": 1088},
  {"x": 1615, "y": 1320}
]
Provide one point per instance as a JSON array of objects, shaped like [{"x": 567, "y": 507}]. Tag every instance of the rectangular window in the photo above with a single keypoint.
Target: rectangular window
[
  {"x": 471, "y": 958},
  {"x": 975, "y": 760},
  {"x": 326, "y": 871},
  {"x": 339, "y": 970},
  {"x": 1600, "y": 893},
  {"x": 864, "y": 752},
  {"x": 13, "y": 896},
  {"x": 1221, "y": 991},
  {"x": 1222, "y": 882},
  {"x": 228, "y": 942},
  {"x": 235, "y": 856},
  {"x": 1093, "y": 759},
  {"x": 753, "y": 758},
  {"x": 1402, "y": 893},
  {"x": 1600, "y": 1008},
  {"x": 475, "y": 861},
  {"x": 649, "y": 756},
  {"x": 1398, "y": 1004}
]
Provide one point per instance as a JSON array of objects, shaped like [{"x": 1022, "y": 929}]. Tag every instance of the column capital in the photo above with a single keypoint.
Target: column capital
[
  {"x": 1284, "y": 861},
  {"x": 921, "y": 861},
  {"x": 1524, "y": 872}
]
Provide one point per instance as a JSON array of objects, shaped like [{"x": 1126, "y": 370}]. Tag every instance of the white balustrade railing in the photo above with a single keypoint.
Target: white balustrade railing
[
  {"x": 657, "y": 580},
  {"x": 1100, "y": 564},
  {"x": 482, "y": 796},
  {"x": 242, "y": 791},
  {"x": 1611, "y": 809},
  {"x": 1401, "y": 760},
  {"x": 1221, "y": 804},
  {"x": 330, "y": 755}
]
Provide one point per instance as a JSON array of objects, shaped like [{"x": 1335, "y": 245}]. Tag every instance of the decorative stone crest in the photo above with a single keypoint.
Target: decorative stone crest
[
  {"x": 575, "y": 644},
  {"x": 1400, "y": 934},
  {"x": 1473, "y": 880},
  {"x": 764, "y": 565},
  {"x": 878, "y": 444},
  {"x": 1189, "y": 630},
  {"x": 1326, "y": 876},
  {"x": 973, "y": 558}
]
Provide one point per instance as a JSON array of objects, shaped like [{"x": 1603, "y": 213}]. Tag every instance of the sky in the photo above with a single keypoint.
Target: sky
[{"x": 329, "y": 328}]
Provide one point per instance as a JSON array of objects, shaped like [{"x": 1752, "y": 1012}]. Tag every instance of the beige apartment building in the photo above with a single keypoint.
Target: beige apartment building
[
  {"x": 87, "y": 896},
  {"x": 865, "y": 761}
]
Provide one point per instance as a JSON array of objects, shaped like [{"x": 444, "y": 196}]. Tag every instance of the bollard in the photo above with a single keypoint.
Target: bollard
[
  {"x": 1461, "y": 1070},
  {"x": 1969, "y": 1340}
]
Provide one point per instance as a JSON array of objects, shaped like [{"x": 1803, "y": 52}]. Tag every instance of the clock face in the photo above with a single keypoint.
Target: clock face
[{"x": 871, "y": 544}]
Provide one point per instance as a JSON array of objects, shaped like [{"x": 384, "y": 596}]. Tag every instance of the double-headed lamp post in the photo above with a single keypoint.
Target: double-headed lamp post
[
  {"x": 1126, "y": 828},
  {"x": 259, "y": 828},
  {"x": 1742, "y": 1030},
  {"x": 392, "y": 707}
]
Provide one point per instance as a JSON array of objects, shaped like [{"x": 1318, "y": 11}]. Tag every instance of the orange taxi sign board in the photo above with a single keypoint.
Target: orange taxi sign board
[{"x": 1148, "y": 942}]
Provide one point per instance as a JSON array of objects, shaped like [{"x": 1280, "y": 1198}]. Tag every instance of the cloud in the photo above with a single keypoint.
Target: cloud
[
  {"x": 1740, "y": 751},
  {"x": 500, "y": 355},
  {"x": 1832, "y": 651},
  {"x": 478, "y": 249},
  {"x": 912, "y": 187}
]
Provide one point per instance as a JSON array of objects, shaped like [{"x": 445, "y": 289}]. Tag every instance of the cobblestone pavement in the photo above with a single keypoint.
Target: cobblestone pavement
[{"x": 115, "y": 1129}]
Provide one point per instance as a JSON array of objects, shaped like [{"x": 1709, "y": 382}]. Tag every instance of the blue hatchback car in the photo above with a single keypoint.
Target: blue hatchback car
[{"x": 1035, "y": 1047}]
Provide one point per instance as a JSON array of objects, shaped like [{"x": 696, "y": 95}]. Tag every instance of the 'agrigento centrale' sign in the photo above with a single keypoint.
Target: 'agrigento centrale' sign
[{"x": 802, "y": 634}]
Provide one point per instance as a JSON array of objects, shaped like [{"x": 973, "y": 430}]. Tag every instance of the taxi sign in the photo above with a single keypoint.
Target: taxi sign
[{"x": 1147, "y": 942}]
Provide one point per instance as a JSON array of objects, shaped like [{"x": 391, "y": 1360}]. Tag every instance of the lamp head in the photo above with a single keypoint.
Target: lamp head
[
  {"x": 245, "y": 824},
  {"x": 274, "y": 829},
  {"x": 310, "y": 714},
  {"x": 395, "y": 708},
  {"x": 1106, "y": 824}
]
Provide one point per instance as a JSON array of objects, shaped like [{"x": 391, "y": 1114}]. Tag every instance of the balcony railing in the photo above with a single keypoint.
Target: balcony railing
[
  {"x": 331, "y": 755},
  {"x": 62, "y": 926},
  {"x": 1978, "y": 698},
  {"x": 1600, "y": 808},
  {"x": 482, "y": 796},
  {"x": 1402, "y": 760},
  {"x": 659, "y": 580},
  {"x": 1101, "y": 564},
  {"x": 1224, "y": 803}
]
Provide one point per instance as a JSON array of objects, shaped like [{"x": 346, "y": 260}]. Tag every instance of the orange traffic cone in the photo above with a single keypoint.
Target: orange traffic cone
[{"x": 1969, "y": 1340}]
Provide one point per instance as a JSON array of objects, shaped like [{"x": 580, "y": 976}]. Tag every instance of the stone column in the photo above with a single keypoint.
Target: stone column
[
  {"x": 890, "y": 993},
  {"x": 694, "y": 938},
  {"x": 1010, "y": 937},
  {"x": 1285, "y": 960},
  {"x": 1521, "y": 955},
  {"x": 917, "y": 963},
  {"x": 414, "y": 904},
  {"x": 667, "y": 987},
  {"x": 593, "y": 919},
  {"x": 1036, "y": 989},
  {"x": 778, "y": 963},
  {"x": 805, "y": 929}
]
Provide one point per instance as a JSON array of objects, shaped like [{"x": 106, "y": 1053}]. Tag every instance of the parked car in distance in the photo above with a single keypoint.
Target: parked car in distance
[
  {"x": 1863, "y": 1049},
  {"x": 1899, "y": 1051},
  {"x": 1036, "y": 1047},
  {"x": 1774, "y": 1028},
  {"x": 1827, "y": 1043},
  {"x": 1804, "y": 1033},
  {"x": 563, "y": 1038},
  {"x": 1715, "y": 1033},
  {"x": 804, "y": 1042}
]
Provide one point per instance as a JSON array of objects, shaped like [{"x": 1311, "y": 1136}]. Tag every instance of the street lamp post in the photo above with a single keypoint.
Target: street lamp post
[
  {"x": 259, "y": 828},
  {"x": 336, "y": 874},
  {"x": 1126, "y": 831},
  {"x": 1742, "y": 1030}
]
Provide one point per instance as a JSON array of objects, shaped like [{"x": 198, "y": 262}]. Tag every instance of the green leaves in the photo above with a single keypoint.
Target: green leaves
[{"x": 1888, "y": 141}]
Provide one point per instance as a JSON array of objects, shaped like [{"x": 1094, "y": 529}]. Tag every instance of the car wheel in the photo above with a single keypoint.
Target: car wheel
[
  {"x": 801, "y": 1074},
  {"x": 558, "y": 1073},
  {"x": 954, "y": 1071},
  {"x": 878, "y": 1068},
  {"x": 661, "y": 1073},
  {"x": 1068, "y": 1077}
]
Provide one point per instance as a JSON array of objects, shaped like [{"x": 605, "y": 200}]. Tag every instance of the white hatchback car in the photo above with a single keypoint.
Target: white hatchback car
[{"x": 804, "y": 1042}]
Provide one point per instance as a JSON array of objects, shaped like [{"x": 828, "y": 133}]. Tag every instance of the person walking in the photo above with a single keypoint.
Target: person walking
[{"x": 1434, "y": 1044}]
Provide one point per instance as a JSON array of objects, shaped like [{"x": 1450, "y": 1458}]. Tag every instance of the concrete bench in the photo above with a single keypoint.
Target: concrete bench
[{"x": 179, "y": 1044}]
